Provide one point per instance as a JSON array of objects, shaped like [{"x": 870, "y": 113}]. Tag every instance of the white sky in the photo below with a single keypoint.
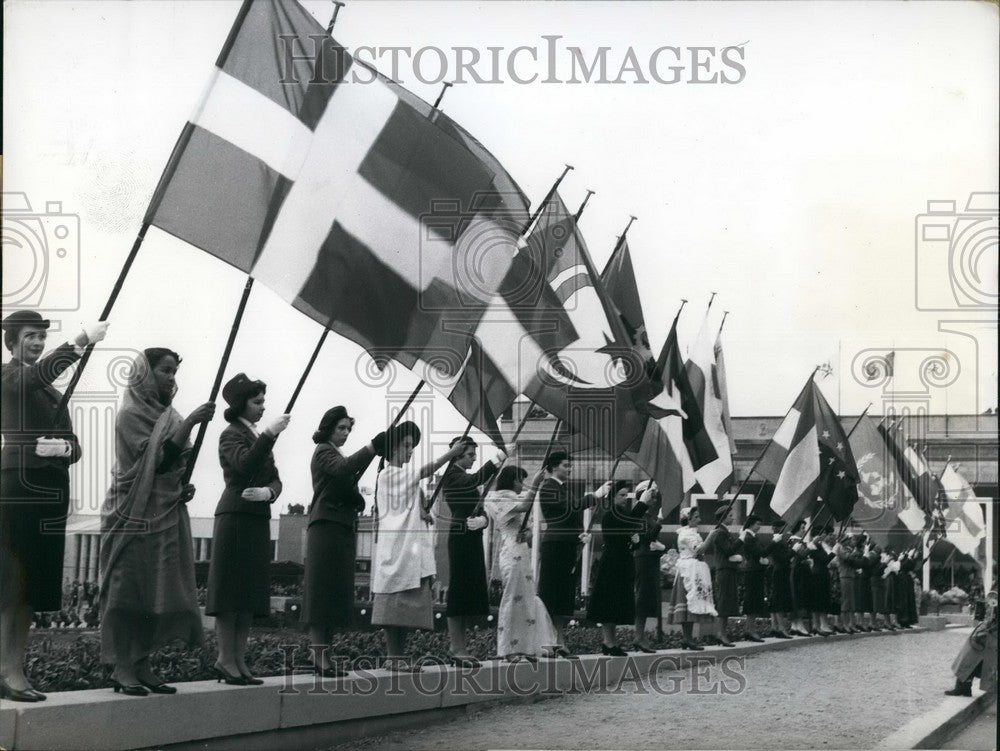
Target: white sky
[{"x": 793, "y": 194}]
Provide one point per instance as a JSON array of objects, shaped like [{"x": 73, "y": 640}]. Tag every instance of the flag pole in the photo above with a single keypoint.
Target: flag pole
[
  {"x": 336, "y": 9},
  {"x": 447, "y": 85},
  {"x": 710, "y": 301},
  {"x": 618, "y": 245},
  {"x": 548, "y": 197},
  {"x": 725, "y": 314},
  {"x": 437, "y": 488},
  {"x": 579, "y": 211},
  {"x": 105, "y": 314},
  {"x": 217, "y": 384},
  {"x": 548, "y": 450}
]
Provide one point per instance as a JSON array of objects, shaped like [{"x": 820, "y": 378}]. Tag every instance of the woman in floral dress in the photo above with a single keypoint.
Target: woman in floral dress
[
  {"x": 524, "y": 629},
  {"x": 691, "y": 600}
]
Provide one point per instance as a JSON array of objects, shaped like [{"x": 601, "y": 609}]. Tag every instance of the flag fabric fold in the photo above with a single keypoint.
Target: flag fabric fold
[{"x": 965, "y": 522}]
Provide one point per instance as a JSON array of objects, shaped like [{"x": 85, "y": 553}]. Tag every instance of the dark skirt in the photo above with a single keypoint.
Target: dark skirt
[
  {"x": 891, "y": 595},
  {"x": 834, "y": 593},
  {"x": 33, "y": 506},
  {"x": 647, "y": 586},
  {"x": 863, "y": 602},
  {"x": 878, "y": 595},
  {"x": 801, "y": 581},
  {"x": 239, "y": 575},
  {"x": 557, "y": 576},
  {"x": 467, "y": 587},
  {"x": 848, "y": 596},
  {"x": 753, "y": 594},
  {"x": 612, "y": 599},
  {"x": 328, "y": 598},
  {"x": 819, "y": 590},
  {"x": 781, "y": 590},
  {"x": 725, "y": 589}
]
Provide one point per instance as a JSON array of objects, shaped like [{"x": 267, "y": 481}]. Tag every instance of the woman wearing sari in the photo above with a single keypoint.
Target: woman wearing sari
[
  {"x": 524, "y": 629},
  {"x": 148, "y": 595}
]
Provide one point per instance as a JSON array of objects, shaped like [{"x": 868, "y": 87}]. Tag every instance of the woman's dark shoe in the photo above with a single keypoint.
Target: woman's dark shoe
[
  {"x": 134, "y": 690},
  {"x": 252, "y": 680},
  {"x": 158, "y": 688},
  {"x": 221, "y": 674},
  {"x": 692, "y": 646},
  {"x": 566, "y": 654},
  {"x": 839, "y": 630},
  {"x": 782, "y": 635},
  {"x": 962, "y": 688},
  {"x": 824, "y": 634},
  {"x": 754, "y": 639},
  {"x": 642, "y": 648},
  {"x": 14, "y": 694},
  {"x": 613, "y": 651},
  {"x": 37, "y": 693},
  {"x": 724, "y": 643}
]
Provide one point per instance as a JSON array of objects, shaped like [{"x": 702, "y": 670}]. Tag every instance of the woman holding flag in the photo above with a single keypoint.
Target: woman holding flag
[{"x": 691, "y": 599}]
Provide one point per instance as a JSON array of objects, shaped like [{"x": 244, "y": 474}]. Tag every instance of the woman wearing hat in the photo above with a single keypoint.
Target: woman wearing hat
[
  {"x": 330, "y": 539},
  {"x": 691, "y": 600},
  {"x": 646, "y": 557},
  {"x": 148, "y": 592},
  {"x": 779, "y": 552},
  {"x": 238, "y": 581},
  {"x": 38, "y": 447},
  {"x": 403, "y": 559}
]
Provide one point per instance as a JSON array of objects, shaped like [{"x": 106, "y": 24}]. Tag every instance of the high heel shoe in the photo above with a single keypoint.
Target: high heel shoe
[
  {"x": 723, "y": 643},
  {"x": 464, "y": 662},
  {"x": 16, "y": 694},
  {"x": 37, "y": 694},
  {"x": 613, "y": 651},
  {"x": 692, "y": 646},
  {"x": 132, "y": 690},
  {"x": 252, "y": 680},
  {"x": 158, "y": 688},
  {"x": 221, "y": 674},
  {"x": 640, "y": 648}
]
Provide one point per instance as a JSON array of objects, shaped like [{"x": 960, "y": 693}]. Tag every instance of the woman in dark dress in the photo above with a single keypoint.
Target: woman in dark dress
[
  {"x": 800, "y": 575},
  {"x": 38, "y": 447},
  {"x": 780, "y": 554},
  {"x": 330, "y": 539},
  {"x": 906, "y": 605},
  {"x": 878, "y": 590},
  {"x": 863, "y": 600},
  {"x": 612, "y": 600},
  {"x": 891, "y": 577},
  {"x": 646, "y": 555},
  {"x": 818, "y": 597},
  {"x": 754, "y": 577},
  {"x": 238, "y": 579}
]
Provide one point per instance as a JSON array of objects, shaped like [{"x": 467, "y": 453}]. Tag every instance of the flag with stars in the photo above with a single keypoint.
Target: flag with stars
[
  {"x": 598, "y": 383},
  {"x": 810, "y": 461}
]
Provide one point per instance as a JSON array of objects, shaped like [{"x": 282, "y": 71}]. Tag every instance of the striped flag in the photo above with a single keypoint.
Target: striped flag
[
  {"x": 964, "y": 519},
  {"x": 715, "y": 476},
  {"x": 598, "y": 382},
  {"x": 810, "y": 462},
  {"x": 908, "y": 463},
  {"x": 359, "y": 204}
]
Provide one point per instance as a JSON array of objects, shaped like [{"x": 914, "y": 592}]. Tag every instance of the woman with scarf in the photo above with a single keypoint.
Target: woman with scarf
[
  {"x": 524, "y": 629},
  {"x": 148, "y": 593},
  {"x": 691, "y": 599},
  {"x": 238, "y": 576}
]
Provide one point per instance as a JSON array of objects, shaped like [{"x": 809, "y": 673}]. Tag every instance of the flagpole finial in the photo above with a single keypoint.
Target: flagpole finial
[
  {"x": 583, "y": 205},
  {"x": 711, "y": 300},
  {"x": 336, "y": 10},
  {"x": 625, "y": 231},
  {"x": 725, "y": 314},
  {"x": 446, "y": 85}
]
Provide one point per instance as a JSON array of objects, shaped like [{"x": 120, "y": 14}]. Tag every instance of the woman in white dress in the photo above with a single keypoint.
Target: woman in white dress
[
  {"x": 691, "y": 600},
  {"x": 524, "y": 629},
  {"x": 403, "y": 560}
]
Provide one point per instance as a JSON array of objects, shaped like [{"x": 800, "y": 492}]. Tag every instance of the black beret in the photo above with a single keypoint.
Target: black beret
[
  {"x": 332, "y": 416},
  {"x": 239, "y": 388}
]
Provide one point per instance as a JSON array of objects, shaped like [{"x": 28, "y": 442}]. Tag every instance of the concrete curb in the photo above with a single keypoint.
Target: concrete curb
[
  {"x": 301, "y": 707},
  {"x": 937, "y": 726}
]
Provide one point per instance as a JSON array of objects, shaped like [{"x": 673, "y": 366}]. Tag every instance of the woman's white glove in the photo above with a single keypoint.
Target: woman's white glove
[
  {"x": 257, "y": 495},
  {"x": 277, "y": 425},
  {"x": 584, "y": 537},
  {"x": 48, "y": 448},
  {"x": 475, "y": 523},
  {"x": 92, "y": 334},
  {"x": 657, "y": 547}
]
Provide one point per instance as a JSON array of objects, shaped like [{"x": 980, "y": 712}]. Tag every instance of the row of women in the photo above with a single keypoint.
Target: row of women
[{"x": 809, "y": 582}]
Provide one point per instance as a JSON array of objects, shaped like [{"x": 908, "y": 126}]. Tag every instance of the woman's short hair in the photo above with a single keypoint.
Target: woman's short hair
[
  {"x": 329, "y": 421},
  {"x": 617, "y": 487},
  {"x": 554, "y": 459},
  {"x": 234, "y": 410},
  {"x": 465, "y": 440},
  {"x": 510, "y": 475}
]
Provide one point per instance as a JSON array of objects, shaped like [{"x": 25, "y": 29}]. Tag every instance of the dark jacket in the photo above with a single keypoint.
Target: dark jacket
[
  {"x": 246, "y": 462},
  {"x": 753, "y": 551},
  {"x": 461, "y": 493},
  {"x": 335, "y": 484},
  {"x": 31, "y": 411},
  {"x": 563, "y": 516},
  {"x": 722, "y": 545},
  {"x": 848, "y": 561},
  {"x": 650, "y": 532}
]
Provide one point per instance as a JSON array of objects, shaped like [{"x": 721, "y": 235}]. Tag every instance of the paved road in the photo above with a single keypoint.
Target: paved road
[
  {"x": 980, "y": 735},
  {"x": 824, "y": 694}
]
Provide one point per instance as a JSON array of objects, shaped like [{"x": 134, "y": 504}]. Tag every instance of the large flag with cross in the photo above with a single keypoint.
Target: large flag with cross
[{"x": 362, "y": 206}]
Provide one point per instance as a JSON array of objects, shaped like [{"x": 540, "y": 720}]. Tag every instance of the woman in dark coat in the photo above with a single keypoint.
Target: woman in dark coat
[
  {"x": 780, "y": 553},
  {"x": 818, "y": 597},
  {"x": 330, "y": 539},
  {"x": 891, "y": 577},
  {"x": 863, "y": 600},
  {"x": 612, "y": 600},
  {"x": 646, "y": 555},
  {"x": 467, "y": 587},
  {"x": 906, "y": 604},
  {"x": 878, "y": 590},
  {"x": 238, "y": 577},
  {"x": 754, "y": 577},
  {"x": 800, "y": 575},
  {"x": 38, "y": 447}
]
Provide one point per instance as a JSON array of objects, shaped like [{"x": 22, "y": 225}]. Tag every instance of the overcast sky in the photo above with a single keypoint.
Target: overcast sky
[{"x": 793, "y": 192}]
